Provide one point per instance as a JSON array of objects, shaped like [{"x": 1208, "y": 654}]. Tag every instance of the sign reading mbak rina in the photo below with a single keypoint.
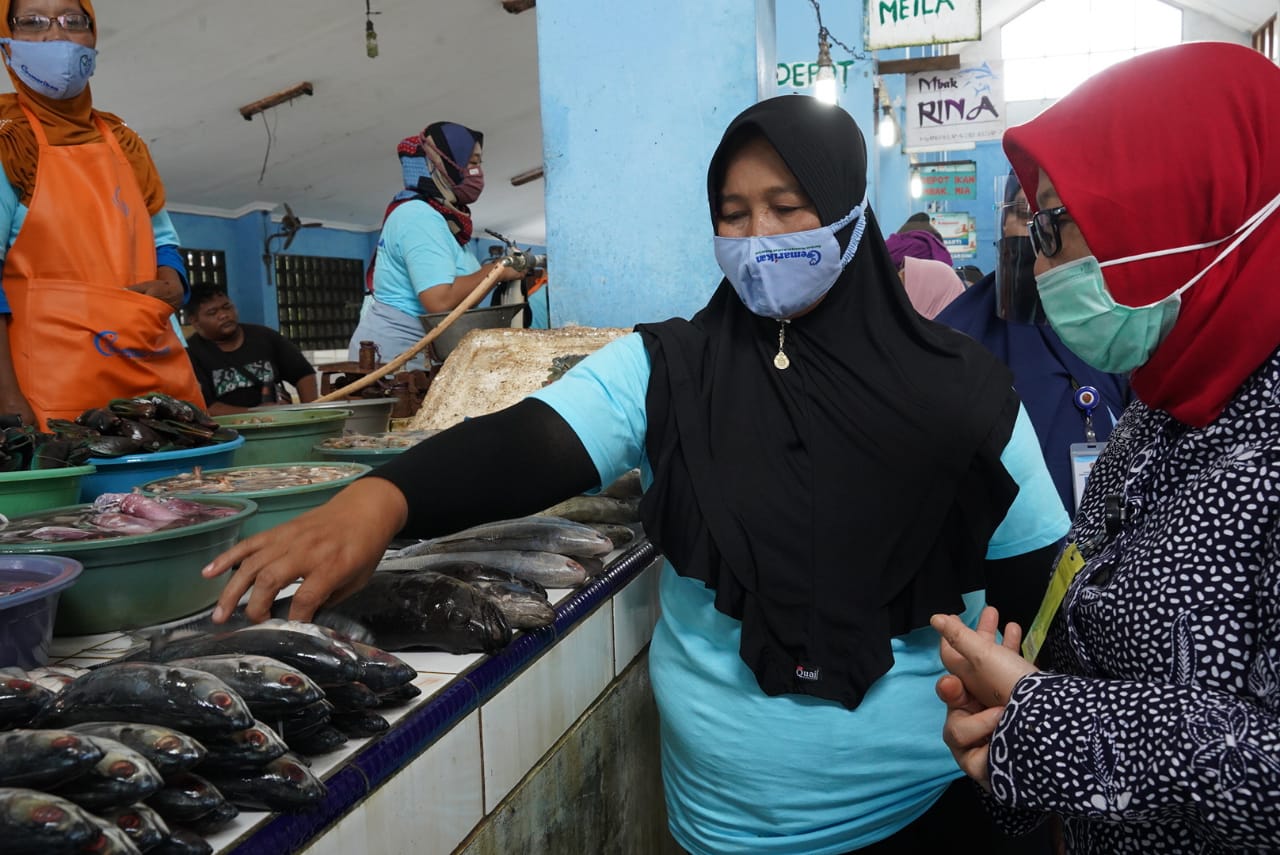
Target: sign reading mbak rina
[
  {"x": 898, "y": 23},
  {"x": 954, "y": 109}
]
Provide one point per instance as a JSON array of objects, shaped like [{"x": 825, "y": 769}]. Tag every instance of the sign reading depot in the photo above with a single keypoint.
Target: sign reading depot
[
  {"x": 898, "y": 23},
  {"x": 954, "y": 109},
  {"x": 801, "y": 75},
  {"x": 954, "y": 180}
]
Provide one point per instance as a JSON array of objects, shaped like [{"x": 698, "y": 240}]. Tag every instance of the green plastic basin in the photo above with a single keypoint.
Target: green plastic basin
[
  {"x": 275, "y": 506},
  {"x": 143, "y": 579},
  {"x": 38, "y": 490},
  {"x": 367, "y": 456},
  {"x": 281, "y": 437}
]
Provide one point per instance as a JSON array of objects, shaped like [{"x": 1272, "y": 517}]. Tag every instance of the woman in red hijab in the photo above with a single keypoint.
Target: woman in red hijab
[
  {"x": 92, "y": 273},
  {"x": 1146, "y": 712}
]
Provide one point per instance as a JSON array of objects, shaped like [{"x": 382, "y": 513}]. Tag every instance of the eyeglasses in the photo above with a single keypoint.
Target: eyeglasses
[
  {"x": 1044, "y": 227},
  {"x": 73, "y": 23}
]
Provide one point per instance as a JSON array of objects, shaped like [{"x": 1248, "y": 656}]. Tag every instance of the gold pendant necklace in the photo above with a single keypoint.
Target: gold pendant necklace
[{"x": 780, "y": 360}]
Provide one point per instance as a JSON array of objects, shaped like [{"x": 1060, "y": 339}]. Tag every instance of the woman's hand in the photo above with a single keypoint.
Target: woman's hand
[
  {"x": 162, "y": 289},
  {"x": 983, "y": 674},
  {"x": 333, "y": 549},
  {"x": 13, "y": 403}
]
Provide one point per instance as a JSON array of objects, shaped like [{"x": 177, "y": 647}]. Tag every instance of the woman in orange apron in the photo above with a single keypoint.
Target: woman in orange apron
[{"x": 91, "y": 272}]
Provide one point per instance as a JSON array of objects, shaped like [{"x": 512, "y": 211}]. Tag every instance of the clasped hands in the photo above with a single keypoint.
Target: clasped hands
[{"x": 983, "y": 674}]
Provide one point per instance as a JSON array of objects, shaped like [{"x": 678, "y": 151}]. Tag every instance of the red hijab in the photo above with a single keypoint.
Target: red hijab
[{"x": 1176, "y": 147}]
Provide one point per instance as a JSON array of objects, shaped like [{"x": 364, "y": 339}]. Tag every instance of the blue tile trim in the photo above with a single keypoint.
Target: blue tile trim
[{"x": 413, "y": 734}]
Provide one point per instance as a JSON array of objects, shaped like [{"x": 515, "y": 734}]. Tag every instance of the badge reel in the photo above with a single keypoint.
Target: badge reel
[{"x": 1085, "y": 454}]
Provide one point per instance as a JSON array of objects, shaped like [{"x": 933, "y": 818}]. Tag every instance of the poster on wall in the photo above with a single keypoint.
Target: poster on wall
[
  {"x": 959, "y": 233},
  {"x": 944, "y": 182},
  {"x": 899, "y": 23},
  {"x": 954, "y": 109}
]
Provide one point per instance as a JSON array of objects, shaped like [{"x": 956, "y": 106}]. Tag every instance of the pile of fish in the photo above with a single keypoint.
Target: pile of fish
[
  {"x": 23, "y": 448},
  {"x": 251, "y": 479},
  {"x": 466, "y": 592},
  {"x": 391, "y": 439},
  {"x": 110, "y": 515},
  {"x": 141, "y": 425},
  {"x": 172, "y": 741}
]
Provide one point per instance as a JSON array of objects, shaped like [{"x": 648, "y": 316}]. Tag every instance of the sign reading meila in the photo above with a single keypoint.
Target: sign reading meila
[{"x": 898, "y": 23}]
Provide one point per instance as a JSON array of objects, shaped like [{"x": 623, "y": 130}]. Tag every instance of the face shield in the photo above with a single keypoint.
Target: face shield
[{"x": 1017, "y": 300}]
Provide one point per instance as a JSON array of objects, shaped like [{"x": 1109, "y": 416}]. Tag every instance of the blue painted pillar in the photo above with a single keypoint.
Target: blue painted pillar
[{"x": 635, "y": 97}]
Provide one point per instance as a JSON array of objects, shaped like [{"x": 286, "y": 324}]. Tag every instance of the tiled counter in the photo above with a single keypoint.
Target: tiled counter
[{"x": 481, "y": 724}]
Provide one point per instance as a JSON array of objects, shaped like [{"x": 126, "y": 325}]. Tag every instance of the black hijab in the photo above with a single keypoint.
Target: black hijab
[{"x": 838, "y": 503}]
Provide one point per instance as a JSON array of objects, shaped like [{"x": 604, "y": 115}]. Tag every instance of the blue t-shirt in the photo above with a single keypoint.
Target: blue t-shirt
[
  {"x": 748, "y": 773},
  {"x": 416, "y": 251},
  {"x": 14, "y": 214}
]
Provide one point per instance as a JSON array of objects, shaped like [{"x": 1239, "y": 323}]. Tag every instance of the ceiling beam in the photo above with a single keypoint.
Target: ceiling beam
[
  {"x": 517, "y": 6},
  {"x": 948, "y": 62}
]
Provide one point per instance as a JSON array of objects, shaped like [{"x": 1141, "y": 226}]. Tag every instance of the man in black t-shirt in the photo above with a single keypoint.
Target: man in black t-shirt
[{"x": 241, "y": 366}]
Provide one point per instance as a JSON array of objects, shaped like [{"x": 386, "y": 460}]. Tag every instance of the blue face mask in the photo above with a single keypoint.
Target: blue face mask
[
  {"x": 56, "y": 69},
  {"x": 1105, "y": 334},
  {"x": 779, "y": 276}
]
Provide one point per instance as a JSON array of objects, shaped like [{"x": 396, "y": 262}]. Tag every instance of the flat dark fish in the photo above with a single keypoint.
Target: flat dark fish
[
  {"x": 182, "y": 842},
  {"x": 185, "y": 797},
  {"x": 534, "y": 533},
  {"x": 149, "y": 693},
  {"x": 319, "y": 658},
  {"x": 169, "y": 751},
  {"x": 360, "y": 724},
  {"x": 215, "y": 820},
  {"x": 38, "y": 823},
  {"x": 380, "y": 670},
  {"x": 21, "y": 701},
  {"x": 143, "y": 826},
  {"x": 398, "y": 696},
  {"x": 352, "y": 696},
  {"x": 284, "y": 785},
  {"x": 432, "y": 612},
  {"x": 619, "y": 535},
  {"x": 267, "y": 685},
  {"x": 305, "y": 720},
  {"x": 42, "y": 759},
  {"x": 121, "y": 777},
  {"x": 321, "y": 740},
  {"x": 250, "y": 748}
]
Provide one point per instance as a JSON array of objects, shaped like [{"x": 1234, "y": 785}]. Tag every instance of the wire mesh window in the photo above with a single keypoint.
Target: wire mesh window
[
  {"x": 204, "y": 267},
  {"x": 318, "y": 299}
]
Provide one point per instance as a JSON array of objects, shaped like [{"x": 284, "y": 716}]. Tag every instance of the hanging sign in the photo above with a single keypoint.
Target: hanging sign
[
  {"x": 959, "y": 233},
  {"x": 954, "y": 180},
  {"x": 954, "y": 109},
  {"x": 898, "y": 23}
]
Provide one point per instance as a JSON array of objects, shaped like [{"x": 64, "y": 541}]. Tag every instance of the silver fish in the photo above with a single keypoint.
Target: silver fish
[
  {"x": 536, "y": 533},
  {"x": 551, "y": 570},
  {"x": 596, "y": 509}
]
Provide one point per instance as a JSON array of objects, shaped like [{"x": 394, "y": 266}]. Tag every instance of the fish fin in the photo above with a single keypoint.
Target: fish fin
[{"x": 343, "y": 625}]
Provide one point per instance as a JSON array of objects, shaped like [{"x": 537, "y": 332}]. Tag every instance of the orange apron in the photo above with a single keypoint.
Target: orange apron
[{"x": 78, "y": 337}]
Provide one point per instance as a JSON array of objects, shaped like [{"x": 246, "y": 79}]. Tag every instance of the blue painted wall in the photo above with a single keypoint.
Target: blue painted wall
[{"x": 635, "y": 97}]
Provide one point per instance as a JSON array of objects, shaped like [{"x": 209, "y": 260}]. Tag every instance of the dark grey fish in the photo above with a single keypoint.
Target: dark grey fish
[
  {"x": 42, "y": 759},
  {"x": 321, "y": 740},
  {"x": 284, "y": 785},
  {"x": 168, "y": 750},
  {"x": 21, "y": 701},
  {"x": 121, "y": 777},
  {"x": 251, "y": 748},
  {"x": 143, "y": 826},
  {"x": 268, "y": 686},
  {"x": 434, "y": 612},
  {"x": 112, "y": 840},
  {"x": 215, "y": 820},
  {"x": 380, "y": 670},
  {"x": 360, "y": 724},
  {"x": 351, "y": 697},
  {"x": 399, "y": 695},
  {"x": 471, "y": 573},
  {"x": 185, "y": 797},
  {"x": 182, "y": 842},
  {"x": 521, "y": 608},
  {"x": 596, "y": 509},
  {"x": 627, "y": 486},
  {"x": 36, "y": 823},
  {"x": 549, "y": 569},
  {"x": 619, "y": 535},
  {"x": 148, "y": 693},
  {"x": 534, "y": 533},
  {"x": 305, "y": 720},
  {"x": 322, "y": 659}
]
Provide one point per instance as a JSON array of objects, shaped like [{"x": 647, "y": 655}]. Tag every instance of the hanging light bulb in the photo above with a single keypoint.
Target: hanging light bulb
[
  {"x": 370, "y": 35},
  {"x": 886, "y": 131},
  {"x": 917, "y": 185},
  {"x": 824, "y": 85}
]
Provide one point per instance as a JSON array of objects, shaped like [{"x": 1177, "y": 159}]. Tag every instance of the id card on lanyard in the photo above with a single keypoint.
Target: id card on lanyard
[{"x": 1083, "y": 456}]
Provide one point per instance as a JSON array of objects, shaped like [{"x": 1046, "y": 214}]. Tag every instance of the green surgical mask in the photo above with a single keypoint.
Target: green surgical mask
[{"x": 1105, "y": 334}]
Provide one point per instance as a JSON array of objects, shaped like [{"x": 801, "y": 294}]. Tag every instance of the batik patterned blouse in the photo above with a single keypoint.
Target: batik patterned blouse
[{"x": 1155, "y": 724}]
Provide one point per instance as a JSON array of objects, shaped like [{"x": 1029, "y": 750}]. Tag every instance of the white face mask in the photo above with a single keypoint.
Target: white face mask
[{"x": 779, "y": 276}]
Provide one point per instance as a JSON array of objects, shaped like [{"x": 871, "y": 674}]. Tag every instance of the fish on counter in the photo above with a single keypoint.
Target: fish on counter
[
  {"x": 548, "y": 569},
  {"x": 267, "y": 686},
  {"x": 112, "y": 840},
  {"x": 596, "y": 509},
  {"x": 317, "y": 741},
  {"x": 169, "y": 751},
  {"x": 250, "y": 748},
  {"x": 360, "y": 724},
  {"x": 214, "y": 820},
  {"x": 185, "y": 798},
  {"x": 121, "y": 777},
  {"x": 326, "y": 661},
  {"x": 284, "y": 785},
  {"x": 522, "y": 608},
  {"x": 37, "y": 823},
  {"x": 150, "y": 693},
  {"x": 619, "y": 535},
  {"x": 41, "y": 759},
  {"x": 182, "y": 842},
  {"x": 534, "y": 533},
  {"x": 21, "y": 700},
  {"x": 411, "y": 611},
  {"x": 143, "y": 826}
]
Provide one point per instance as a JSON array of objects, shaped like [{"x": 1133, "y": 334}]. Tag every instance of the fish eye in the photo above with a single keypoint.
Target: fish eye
[
  {"x": 291, "y": 680},
  {"x": 48, "y": 814},
  {"x": 122, "y": 769},
  {"x": 294, "y": 773},
  {"x": 129, "y": 821},
  {"x": 67, "y": 741},
  {"x": 168, "y": 743},
  {"x": 256, "y": 737},
  {"x": 220, "y": 699},
  {"x": 20, "y": 684}
]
